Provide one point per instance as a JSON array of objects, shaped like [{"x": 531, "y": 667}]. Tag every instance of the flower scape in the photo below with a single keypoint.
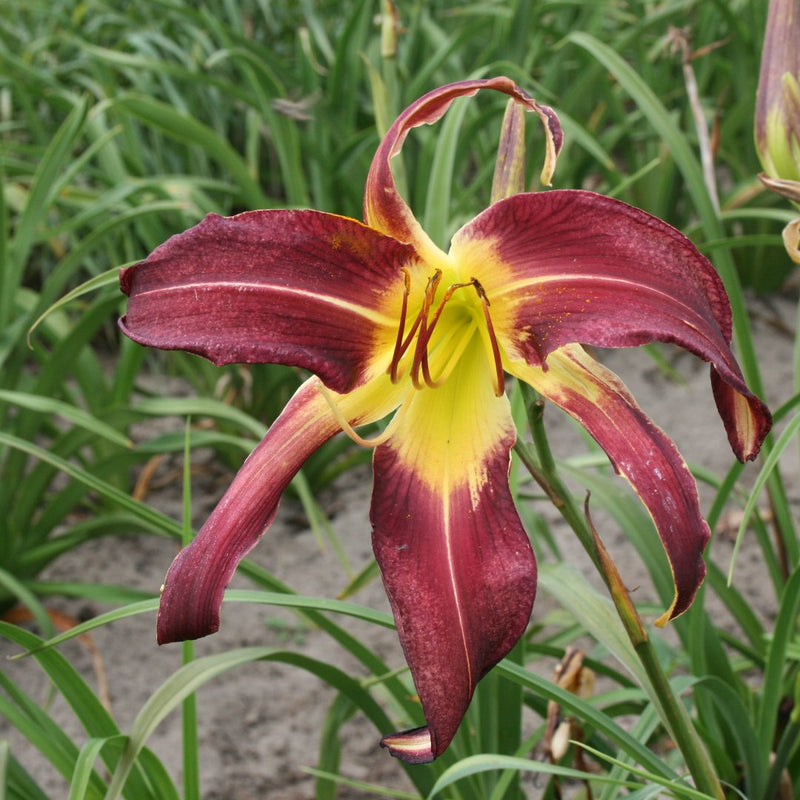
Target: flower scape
[
  {"x": 391, "y": 326},
  {"x": 777, "y": 120}
]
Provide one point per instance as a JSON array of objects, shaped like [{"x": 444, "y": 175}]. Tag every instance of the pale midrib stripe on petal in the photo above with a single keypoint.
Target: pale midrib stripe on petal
[
  {"x": 367, "y": 313},
  {"x": 510, "y": 289},
  {"x": 448, "y": 531}
]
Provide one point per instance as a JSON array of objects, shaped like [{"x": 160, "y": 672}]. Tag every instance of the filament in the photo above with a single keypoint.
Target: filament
[
  {"x": 454, "y": 357},
  {"x": 348, "y": 428},
  {"x": 398, "y": 345},
  {"x": 423, "y": 328},
  {"x": 402, "y": 344}
]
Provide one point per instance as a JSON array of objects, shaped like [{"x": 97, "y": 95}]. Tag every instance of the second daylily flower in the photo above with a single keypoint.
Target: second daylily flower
[
  {"x": 777, "y": 128},
  {"x": 777, "y": 121},
  {"x": 389, "y": 323}
]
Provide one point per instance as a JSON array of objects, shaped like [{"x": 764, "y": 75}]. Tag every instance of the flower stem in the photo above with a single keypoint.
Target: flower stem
[
  {"x": 540, "y": 463},
  {"x": 542, "y": 466},
  {"x": 190, "y": 739}
]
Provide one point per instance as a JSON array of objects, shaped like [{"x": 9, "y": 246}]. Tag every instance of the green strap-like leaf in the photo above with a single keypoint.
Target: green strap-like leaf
[
  {"x": 154, "y": 518},
  {"x": 194, "y": 675},
  {"x": 473, "y": 765},
  {"x": 189, "y": 130},
  {"x": 773, "y": 683},
  {"x": 77, "y": 416},
  {"x": 37, "y": 727},
  {"x": 590, "y": 715}
]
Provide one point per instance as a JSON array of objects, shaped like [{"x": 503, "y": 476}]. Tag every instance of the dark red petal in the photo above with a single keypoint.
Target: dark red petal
[
  {"x": 456, "y": 562},
  {"x": 196, "y": 581},
  {"x": 384, "y": 208},
  {"x": 292, "y": 287},
  {"x": 747, "y": 420},
  {"x": 641, "y": 452},
  {"x": 461, "y": 578},
  {"x": 573, "y": 266}
]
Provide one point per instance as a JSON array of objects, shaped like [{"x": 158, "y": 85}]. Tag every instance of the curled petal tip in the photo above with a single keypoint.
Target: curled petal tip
[
  {"x": 189, "y": 607},
  {"x": 687, "y": 579},
  {"x": 747, "y": 420},
  {"x": 777, "y": 120},
  {"x": 196, "y": 581},
  {"x": 555, "y": 141},
  {"x": 413, "y": 747},
  {"x": 785, "y": 188},
  {"x": 384, "y": 208},
  {"x": 791, "y": 238}
]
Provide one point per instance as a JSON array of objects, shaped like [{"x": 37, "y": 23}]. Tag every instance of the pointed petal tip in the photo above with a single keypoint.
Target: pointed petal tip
[
  {"x": 747, "y": 445},
  {"x": 188, "y": 609},
  {"x": 167, "y": 632},
  {"x": 664, "y": 619},
  {"x": 413, "y": 747},
  {"x": 456, "y": 561},
  {"x": 687, "y": 583},
  {"x": 784, "y": 187},
  {"x": 746, "y": 418}
]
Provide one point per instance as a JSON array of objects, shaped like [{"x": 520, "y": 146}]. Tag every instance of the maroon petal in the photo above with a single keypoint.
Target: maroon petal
[
  {"x": 571, "y": 266},
  {"x": 292, "y": 287},
  {"x": 456, "y": 562},
  {"x": 640, "y": 451},
  {"x": 384, "y": 208},
  {"x": 192, "y": 593}
]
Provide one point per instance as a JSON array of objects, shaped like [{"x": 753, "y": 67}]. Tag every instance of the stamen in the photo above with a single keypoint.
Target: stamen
[
  {"x": 398, "y": 345},
  {"x": 401, "y": 344},
  {"x": 424, "y": 338},
  {"x": 348, "y": 428},
  {"x": 424, "y": 327},
  {"x": 499, "y": 377}
]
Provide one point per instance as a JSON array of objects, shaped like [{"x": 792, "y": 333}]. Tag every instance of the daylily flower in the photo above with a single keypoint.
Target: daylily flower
[
  {"x": 388, "y": 323},
  {"x": 777, "y": 124}
]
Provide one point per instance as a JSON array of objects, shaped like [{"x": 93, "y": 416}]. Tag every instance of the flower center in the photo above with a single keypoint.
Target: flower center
[{"x": 451, "y": 338}]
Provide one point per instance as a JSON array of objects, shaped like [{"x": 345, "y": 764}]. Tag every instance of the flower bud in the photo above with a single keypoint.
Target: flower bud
[
  {"x": 777, "y": 123},
  {"x": 509, "y": 168}
]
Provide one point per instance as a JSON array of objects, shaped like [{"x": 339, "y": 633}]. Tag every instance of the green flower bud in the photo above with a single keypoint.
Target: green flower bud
[{"x": 777, "y": 123}]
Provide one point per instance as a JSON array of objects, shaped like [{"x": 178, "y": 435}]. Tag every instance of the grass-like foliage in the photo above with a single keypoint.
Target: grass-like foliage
[{"x": 125, "y": 123}]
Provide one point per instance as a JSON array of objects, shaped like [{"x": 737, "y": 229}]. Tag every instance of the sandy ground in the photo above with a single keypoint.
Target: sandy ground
[{"x": 259, "y": 724}]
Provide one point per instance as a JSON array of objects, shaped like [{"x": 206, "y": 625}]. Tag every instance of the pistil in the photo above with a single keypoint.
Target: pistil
[{"x": 424, "y": 327}]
